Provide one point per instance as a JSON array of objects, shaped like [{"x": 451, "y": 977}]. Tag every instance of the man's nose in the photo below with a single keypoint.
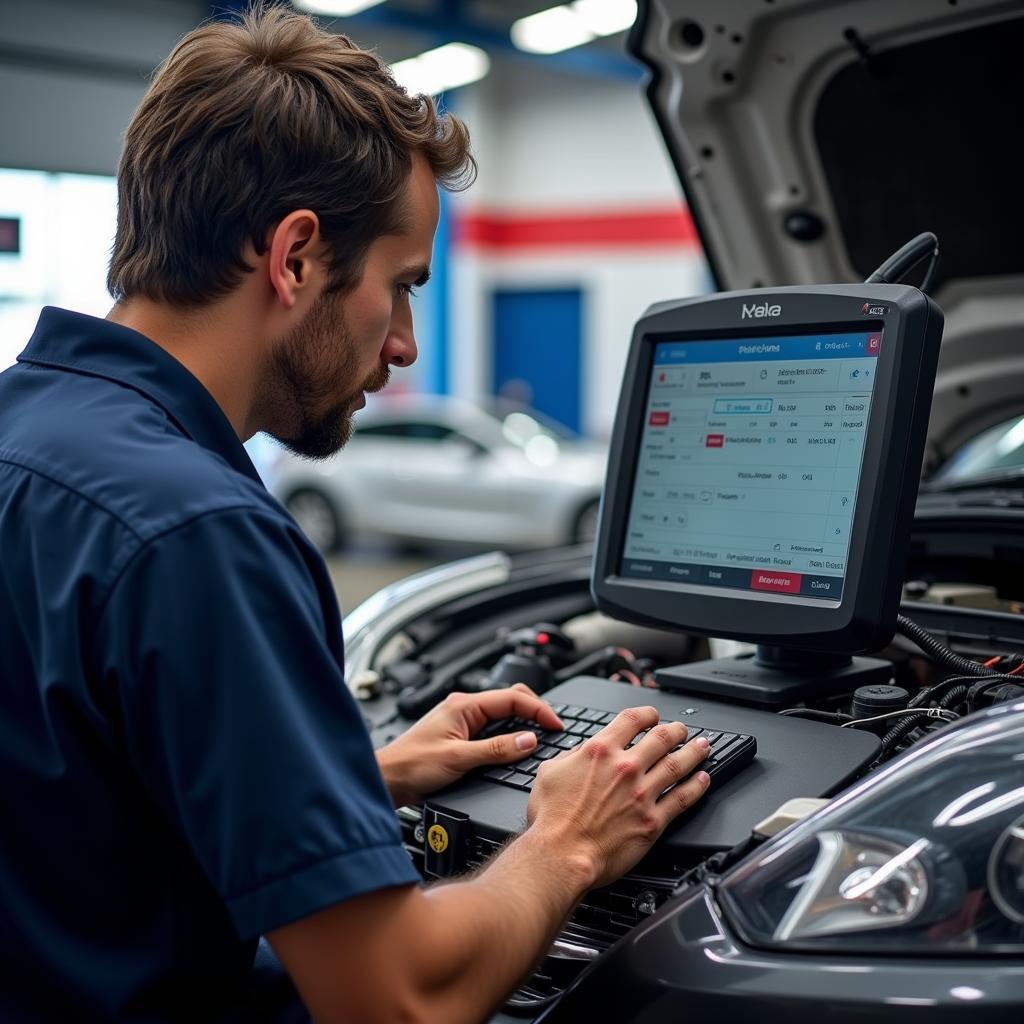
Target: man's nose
[{"x": 400, "y": 347}]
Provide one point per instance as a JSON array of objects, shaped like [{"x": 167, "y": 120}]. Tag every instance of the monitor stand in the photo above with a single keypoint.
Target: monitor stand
[{"x": 775, "y": 677}]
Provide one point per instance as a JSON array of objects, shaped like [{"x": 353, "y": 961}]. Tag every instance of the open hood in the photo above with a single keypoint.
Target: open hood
[{"x": 814, "y": 137}]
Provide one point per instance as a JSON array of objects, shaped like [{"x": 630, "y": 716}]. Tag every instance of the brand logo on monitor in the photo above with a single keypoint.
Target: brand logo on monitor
[{"x": 757, "y": 310}]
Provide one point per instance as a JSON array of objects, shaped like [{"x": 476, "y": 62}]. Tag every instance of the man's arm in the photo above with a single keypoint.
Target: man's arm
[{"x": 451, "y": 952}]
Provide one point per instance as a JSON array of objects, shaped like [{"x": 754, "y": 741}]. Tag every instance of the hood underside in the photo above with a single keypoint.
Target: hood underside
[{"x": 812, "y": 139}]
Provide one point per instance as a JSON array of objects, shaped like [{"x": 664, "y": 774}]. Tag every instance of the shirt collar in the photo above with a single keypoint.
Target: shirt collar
[{"x": 85, "y": 344}]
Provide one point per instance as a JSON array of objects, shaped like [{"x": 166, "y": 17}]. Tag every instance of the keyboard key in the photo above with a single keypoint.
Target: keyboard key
[
  {"x": 498, "y": 774},
  {"x": 568, "y": 742},
  {"x": 545, "y": 753},
  {"x": 529, "y": 766},
  {"x": 593, "y": 730},
  {"x": 723, "y": 741},
  {"x": 724, "y": 750},
  {"x": 578, "y": 728},
  {"x": 518, "y": 779},
  {"x": 571, "y": 711},
  {"x": 605, "y": 718},
  {"x": 636, "y": 739},
  {"x": 559, "y": 709},
  {"x": 593, "y": 715}
]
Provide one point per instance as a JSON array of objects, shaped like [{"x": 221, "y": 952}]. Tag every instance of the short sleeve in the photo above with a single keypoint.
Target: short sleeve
[{"x": 213, "y": 649}]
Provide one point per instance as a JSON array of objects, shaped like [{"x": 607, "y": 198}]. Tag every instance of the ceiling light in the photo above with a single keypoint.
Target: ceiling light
[
  {"x": 336, "y": 8},
  {"x": 447, "y": 67},
  {"x": 550, "y": 31},
  {"x": 559, "y": 28},
  {"x": 605, "y": 17}
]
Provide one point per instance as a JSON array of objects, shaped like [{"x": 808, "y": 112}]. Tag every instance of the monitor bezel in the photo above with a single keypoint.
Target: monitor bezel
[{"x": 865, "y": 615}]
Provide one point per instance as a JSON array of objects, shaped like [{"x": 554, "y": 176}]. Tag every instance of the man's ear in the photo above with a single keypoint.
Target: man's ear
[{"x": 293, "y": 255}]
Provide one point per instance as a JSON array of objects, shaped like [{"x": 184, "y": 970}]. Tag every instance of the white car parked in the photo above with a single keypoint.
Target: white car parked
[{"x": 425, "y": 467}]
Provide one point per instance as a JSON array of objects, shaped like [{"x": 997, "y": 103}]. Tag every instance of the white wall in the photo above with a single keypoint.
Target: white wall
[
  {"x": 67, "y": 228},
  {"x": 551, "y": 144},
  {"x": 554, "y": 140}
]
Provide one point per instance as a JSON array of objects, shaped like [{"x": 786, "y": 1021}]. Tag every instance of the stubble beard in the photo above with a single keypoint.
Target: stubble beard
[{"x": 316, "y": 362}]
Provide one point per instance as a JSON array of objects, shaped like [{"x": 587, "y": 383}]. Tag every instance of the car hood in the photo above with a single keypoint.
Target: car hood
[{"x": 814, "y": 138}]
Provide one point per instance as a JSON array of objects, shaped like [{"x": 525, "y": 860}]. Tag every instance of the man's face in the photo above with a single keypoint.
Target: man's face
[{"x": 346, "y": 343}]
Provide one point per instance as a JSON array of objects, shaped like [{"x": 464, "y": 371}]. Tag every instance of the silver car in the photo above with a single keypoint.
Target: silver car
[{"x": 433, "y": 468}]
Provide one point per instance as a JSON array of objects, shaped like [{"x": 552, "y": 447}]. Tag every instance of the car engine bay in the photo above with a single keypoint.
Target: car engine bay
[{"x": 494, "y": 620}]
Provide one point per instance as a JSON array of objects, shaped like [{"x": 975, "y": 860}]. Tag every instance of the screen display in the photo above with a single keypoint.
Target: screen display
[{"x": 749, "y": 463}]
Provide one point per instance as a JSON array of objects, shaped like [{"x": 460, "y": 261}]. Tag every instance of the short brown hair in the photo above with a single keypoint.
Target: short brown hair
[{"x": 246, "y": 121}]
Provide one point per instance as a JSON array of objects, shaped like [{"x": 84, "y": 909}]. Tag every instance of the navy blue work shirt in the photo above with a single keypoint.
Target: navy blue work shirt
[{"x": 182, "y": 767}]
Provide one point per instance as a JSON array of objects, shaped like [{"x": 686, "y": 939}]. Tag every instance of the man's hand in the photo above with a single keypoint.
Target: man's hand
[
  {"x": 604, "y": 804},
  {"x": 450, "y": 952},
  {"x": 439, "y": 748}
]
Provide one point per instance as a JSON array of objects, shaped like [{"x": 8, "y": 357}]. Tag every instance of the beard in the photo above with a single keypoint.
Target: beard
[{"x": 313, "y": 365}]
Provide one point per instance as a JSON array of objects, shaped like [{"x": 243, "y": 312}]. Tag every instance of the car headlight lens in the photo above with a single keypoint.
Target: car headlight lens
[{"x": 925, "y": 856}]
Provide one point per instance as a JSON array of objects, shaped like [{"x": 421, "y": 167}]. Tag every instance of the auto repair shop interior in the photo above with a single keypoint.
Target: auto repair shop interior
[{"x": 715, "y": 409}]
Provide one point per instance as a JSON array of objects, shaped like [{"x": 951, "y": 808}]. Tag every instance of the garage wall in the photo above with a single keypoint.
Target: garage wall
[{"x": 564, "y": 157}]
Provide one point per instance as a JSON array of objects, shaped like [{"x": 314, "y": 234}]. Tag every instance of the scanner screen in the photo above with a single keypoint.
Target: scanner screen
[{"x": 749, "y": 464}]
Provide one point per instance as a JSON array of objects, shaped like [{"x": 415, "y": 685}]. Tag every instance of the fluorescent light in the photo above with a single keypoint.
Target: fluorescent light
[
  {"x": 606, "y": 17},
  {"x": 560, "y": 28},
  {"x": 447, "y": 67},
  {"x": 336, "y": 8},
  {"x": 550, "y": 31}
]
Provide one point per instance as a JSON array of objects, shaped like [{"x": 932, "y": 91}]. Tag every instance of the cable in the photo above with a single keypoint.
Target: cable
[
  {"x": 929, "y": 274},
  {"x": 938, "y": 691},
  {"x": 944, "y": 714},
  {"x": 907, "y": 257},
  {"x": 953, "y": 697},
  {"x": 938, "y": 651},
  {"x": 821, "y": 716}
]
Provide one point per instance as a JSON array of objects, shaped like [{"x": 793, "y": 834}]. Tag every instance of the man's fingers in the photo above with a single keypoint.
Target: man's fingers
[
  {"x": 518, "y": 700},
  {"x": 677, "y": 764},
  {"x": 658, "y": 742},
  {"x": 682, "y": 797},
  {"x": 503, "y": 749},
  {"x": 626, "y": 724}
]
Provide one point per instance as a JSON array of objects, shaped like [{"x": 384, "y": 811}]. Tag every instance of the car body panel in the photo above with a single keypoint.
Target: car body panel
[
  {"x": 471, "y": 485},
  {"x": 764, "y": 105}
]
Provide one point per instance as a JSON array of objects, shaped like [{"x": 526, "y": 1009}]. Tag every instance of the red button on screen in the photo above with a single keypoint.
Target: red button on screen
[
  {"x": 714, "y": 440},
  {"x": 783, "y": 582},
  {"x": 874, "y": 344},
  {"x": 659, "y": 419}
]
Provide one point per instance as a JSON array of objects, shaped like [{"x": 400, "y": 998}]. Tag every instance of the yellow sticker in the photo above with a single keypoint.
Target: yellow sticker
[{"x": 437, "y": 836}]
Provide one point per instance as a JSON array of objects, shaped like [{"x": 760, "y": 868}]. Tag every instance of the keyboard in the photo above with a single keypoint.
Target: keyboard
[{"x": 729, "y": 751}]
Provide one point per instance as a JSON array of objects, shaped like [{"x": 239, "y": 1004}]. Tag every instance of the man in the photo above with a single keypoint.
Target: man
[{"x": 183, "y": 769}]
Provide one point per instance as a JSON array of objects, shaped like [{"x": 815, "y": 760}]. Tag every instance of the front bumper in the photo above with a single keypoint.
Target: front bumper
[{"x": 683, "y": 964}]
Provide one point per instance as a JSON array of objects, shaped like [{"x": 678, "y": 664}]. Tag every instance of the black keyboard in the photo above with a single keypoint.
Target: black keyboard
[{"x": 729, "y": 751}]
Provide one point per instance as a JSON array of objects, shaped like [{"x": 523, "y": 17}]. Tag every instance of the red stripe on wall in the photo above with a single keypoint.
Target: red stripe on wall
[{"x": 651, "y": 226}]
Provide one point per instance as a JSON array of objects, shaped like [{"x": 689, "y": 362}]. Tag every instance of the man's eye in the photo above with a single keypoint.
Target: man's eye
[{"x": 407, "y": 289}]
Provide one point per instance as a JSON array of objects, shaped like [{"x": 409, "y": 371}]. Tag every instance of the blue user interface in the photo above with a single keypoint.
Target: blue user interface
[{"x": 749, "y": 464}]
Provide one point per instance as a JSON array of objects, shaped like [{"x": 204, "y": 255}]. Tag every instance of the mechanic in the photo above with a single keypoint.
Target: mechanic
[{"x": 184, "y": 769}]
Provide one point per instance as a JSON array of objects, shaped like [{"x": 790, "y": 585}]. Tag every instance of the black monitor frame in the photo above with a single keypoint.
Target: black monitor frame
[{"x": 893, "y": 450}]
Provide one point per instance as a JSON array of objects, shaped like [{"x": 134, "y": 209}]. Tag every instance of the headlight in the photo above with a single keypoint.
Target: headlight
[{"x": 925, "y": 856}]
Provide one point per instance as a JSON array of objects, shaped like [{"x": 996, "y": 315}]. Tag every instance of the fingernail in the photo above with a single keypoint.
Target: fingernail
[
  {"x": 525, "y": 741},
  {"x": 704, "y": 779},
  {"x": 702, "y": 742}
]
